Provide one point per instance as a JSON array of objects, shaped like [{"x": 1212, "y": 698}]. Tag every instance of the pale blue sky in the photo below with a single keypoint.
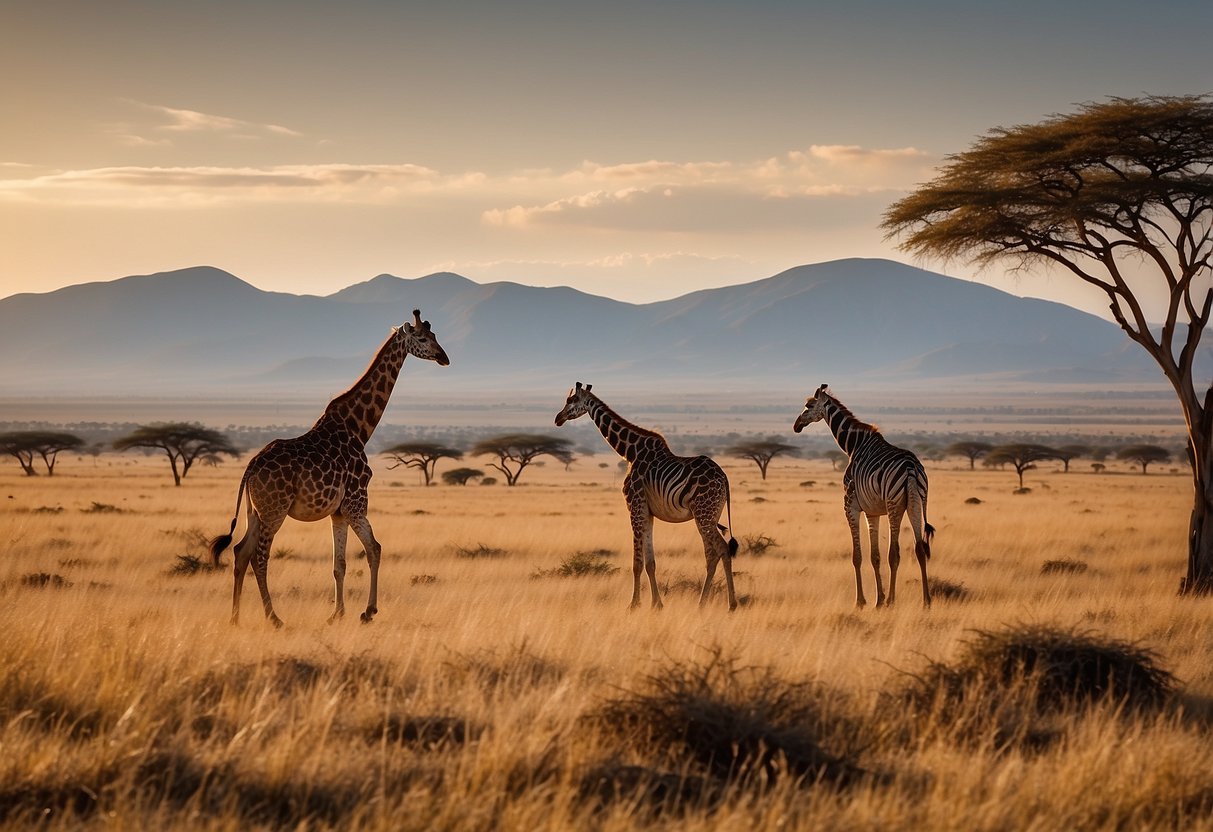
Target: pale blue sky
[{"x": 636, "y": 150}]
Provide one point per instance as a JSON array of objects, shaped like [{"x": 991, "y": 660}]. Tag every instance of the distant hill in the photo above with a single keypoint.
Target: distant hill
[{"x": 867, "y": 323}]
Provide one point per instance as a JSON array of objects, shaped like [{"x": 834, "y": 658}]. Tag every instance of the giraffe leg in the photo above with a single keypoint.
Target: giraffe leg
[
  {"x": 851, "y": 503},
  {"x": 261, "y": 562},
  {"x": 715, "y": 550},
  {"x": 650, "y": 565},
  {"x": 874, "y": 554},
  {"x": 642, "y": 528},
  {"x": 362, "y": 528},
  {"x": 242, "y": 554},
  {"x": 340, "y": 528},
  {"x": 894, "y": 551}
]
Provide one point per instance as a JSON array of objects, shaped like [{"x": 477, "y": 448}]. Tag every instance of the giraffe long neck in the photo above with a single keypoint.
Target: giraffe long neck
[
  {"x": 627, "y": 439},
  {"x": 850, "y": 433},
  {"x": 359, "y": 409}
]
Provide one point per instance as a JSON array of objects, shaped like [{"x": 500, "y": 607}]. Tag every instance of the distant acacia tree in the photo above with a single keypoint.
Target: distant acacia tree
[
  {"x": 1144, "y": 455},
  {"x": 760, "y": 452},
  {"x": 1098, "y": 467},
  {"x": 521, "y": 449},
  {"x": 461, "y": 476},
  {"x": 972, "y": 449},
  {"x": 423, "y": 456},
  {"x": 836, "y": 458},
  {"x": 1022, "y": 457},
  {"x": 183, "y": 442},
  {"x": 1068, "y": 452},
  {"x": 24, "y": 445},
  {"x": 1118, "y": 195}
]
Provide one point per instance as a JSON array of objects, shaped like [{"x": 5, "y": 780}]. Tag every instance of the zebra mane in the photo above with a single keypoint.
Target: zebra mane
[
  {"x": 624, "y": 423},
  {"x": 846, "y": 411}
]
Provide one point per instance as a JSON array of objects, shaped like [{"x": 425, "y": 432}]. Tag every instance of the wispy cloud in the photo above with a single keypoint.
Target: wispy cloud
[{"x": 161, "y": 123}]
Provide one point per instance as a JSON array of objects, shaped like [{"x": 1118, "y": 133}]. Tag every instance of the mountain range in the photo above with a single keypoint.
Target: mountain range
[{"x": 868, "y": 323}]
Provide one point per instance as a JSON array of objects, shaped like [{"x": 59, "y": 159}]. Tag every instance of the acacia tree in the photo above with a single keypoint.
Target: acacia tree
[
  {"x": 520, "y": 450},
  {"x": 1118, "y": 194},
  {"x": 1068, "y": 452},
  {"x": 184, "y": 443},
  {"x": 1143, "y": 455},
  {"x": 423, "y": 456},
  {"x": 1022, "y": 457},
  {"x": 24, "y": 445},
  {"x": 461, "y": 476},
  {"x": 760, "y": 452},
  {"x": 973, "y": 450}
]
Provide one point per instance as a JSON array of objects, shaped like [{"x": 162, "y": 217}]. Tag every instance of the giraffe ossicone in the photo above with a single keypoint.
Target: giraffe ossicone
[
  {"x": 662, "y": 485},
  {"x": 881, "y": 479},
  {"x": 324, "y": 473}
]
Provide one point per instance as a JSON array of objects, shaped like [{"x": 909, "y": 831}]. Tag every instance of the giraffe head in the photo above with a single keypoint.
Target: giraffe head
[
  {"x": 814, "y": 409},
  {"x": 577, "y": 404},
  {"x": 419, "y": 340}
]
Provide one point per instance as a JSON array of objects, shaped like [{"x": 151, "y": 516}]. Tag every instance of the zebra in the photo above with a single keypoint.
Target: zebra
[
  {"x": 880, "y": 479},
  {"x": 662, "y": 485}
]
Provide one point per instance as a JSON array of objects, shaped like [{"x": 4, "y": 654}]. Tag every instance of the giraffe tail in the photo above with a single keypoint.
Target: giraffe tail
[
  {"x": 218, "y": 544},
  {"x": 729, "y": 509}
]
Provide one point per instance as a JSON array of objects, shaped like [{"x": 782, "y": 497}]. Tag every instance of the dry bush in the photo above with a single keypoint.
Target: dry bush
[
  {"x": 1063, "y": 567},
  {"x": 1021, "y": 685},
  {"x": 480, "y": 550},
  {"x": 580, "y": 565},
  {"x": 758, "y": 544},
  {"x": 713, "y": 725},
  {"x": 951, "y": 591}
]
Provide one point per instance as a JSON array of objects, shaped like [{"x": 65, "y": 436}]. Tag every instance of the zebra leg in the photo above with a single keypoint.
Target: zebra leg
[
  {"x": 874, "y": 554},
  {"x": 650, "y": 564},
  {"x": 851, "y": 503},
  {"x": 340, "y": 527},
  {"x": 894, "y": 552},
  {"x": 366, "y": 536}
]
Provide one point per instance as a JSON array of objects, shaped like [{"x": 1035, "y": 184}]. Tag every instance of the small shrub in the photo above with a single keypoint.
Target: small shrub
[
  {"x": 423, "y": 580},
  {"x": 101, "y": 508},
  {"x": 49, "y": 510},
  {"x": 191, "y": 565},
  {"x": 480, "y": 550},
  {"x": 1063, "y": 567},
  {"x": 581, "y": 565},
  {"x": 489, "y": 481},
  {"x": 758, "y": 544},
  {"x": 973, "y": 501},
  {"x": 808, "y": 483},
  {"x": 45, "y": 580},
  {"x": 944, "y": 590}
]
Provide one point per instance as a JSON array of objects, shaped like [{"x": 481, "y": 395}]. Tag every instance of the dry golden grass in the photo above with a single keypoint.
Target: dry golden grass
[{"x": 475, "y": 700}]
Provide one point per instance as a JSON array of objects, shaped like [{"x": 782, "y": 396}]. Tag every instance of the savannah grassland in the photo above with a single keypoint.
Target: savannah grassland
[{"x": 492, "y": 692}]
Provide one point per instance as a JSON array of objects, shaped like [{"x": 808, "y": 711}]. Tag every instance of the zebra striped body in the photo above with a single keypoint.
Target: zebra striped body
[
  {"x": 881, "y": 479},
  {"x": 659, "y": 484}
]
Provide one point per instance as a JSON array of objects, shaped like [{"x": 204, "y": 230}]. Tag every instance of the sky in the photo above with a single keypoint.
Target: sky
[{"x": 634, "y": 150}]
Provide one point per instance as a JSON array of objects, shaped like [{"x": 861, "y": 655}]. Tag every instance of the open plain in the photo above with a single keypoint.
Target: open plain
[{"x": 505, "y": 684}]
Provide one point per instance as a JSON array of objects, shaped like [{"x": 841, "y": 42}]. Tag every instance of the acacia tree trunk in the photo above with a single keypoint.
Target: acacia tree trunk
[{"x": 1199, "y": 580}]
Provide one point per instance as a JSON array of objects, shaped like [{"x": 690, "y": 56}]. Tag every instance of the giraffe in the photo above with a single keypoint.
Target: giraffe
[
  {"x": 659, "y": 484},
  {"x": 880, "y": 479},
  {"x": 324, "y": 473}
]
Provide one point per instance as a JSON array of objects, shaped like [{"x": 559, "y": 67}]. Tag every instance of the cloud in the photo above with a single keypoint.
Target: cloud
[
  {"x": 180, "y": 121},
  {"x": 192, "y": 185}
]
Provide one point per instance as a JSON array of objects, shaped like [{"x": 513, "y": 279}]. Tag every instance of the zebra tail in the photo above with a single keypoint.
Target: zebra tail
[
  {"x": 922, "y": 548},
  {"x": 218, "y": 544}
]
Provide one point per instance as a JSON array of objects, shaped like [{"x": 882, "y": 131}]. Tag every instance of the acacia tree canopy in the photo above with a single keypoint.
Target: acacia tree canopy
[
  {"x": 183, "y": 442},
  {"x": 971, "y": 449},
  {"x": 23, "y": 445},
  {"x": 1118, "y": 194},
  {"x": 1143, "y": 455},
  {"x": 1021, "y": 456},
  {"x": 520, "y": 450},
  {"x": 423, "y": 456},
  {"x": 760, "y": 452}
]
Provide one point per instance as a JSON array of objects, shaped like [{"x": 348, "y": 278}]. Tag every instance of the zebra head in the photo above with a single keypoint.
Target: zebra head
[
  {"x": 814, "y": 409},
  {"x": 577, "y": 404},
  {"x": 419, "y": 340}
]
